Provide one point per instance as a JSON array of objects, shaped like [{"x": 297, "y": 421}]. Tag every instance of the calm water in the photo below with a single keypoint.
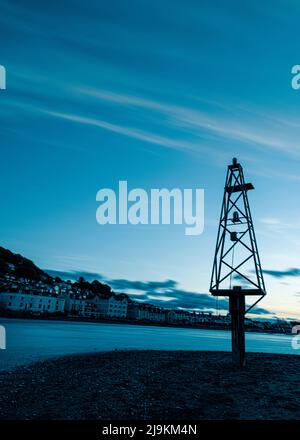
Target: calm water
[{"x": 29, "y": 341}]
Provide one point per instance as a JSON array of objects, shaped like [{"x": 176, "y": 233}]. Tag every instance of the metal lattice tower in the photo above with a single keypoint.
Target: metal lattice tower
[{"x": 237, "y": 269}]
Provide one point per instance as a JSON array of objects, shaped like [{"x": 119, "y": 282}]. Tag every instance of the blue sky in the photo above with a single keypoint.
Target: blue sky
[{"x": 161, "y": 94}]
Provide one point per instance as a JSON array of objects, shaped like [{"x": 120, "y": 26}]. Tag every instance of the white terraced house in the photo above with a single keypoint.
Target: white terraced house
[
  {"x": 146, "y": 312},
  {"x": 75, "y": 306},
  {"x": 115, "y": 307},
  {"x": 21, "y": 302}
]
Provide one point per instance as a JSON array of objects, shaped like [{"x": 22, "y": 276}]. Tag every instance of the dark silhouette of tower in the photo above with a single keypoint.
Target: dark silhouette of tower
[{"x": 236, "y": 269}]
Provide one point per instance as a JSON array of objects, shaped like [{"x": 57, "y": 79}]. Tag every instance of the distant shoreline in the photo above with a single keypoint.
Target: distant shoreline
[
  {"x": 132, "y": 322},
  {"x": 153, "y": 385}
]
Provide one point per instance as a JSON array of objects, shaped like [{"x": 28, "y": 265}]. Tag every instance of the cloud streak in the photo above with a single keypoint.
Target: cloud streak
[
  {"x": 293, "y": 272},
  {"x": 127, "y": 131},
  {"x": 181, "y": 116}
]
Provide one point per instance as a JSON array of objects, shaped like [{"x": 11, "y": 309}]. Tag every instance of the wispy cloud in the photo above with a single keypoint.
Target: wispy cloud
[
  {"x": 270, "y": 221},
  {"x": 293, "y": 272},
  {"x": 285, "y": 228},
  {"x": 127, "y": 131},
  {"x": 238, "y": 128},
  {"x": 193, "y": 128}
]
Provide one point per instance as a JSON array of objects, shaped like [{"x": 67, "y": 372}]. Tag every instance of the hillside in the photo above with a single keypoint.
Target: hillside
[{"x": 19, "y": 266}]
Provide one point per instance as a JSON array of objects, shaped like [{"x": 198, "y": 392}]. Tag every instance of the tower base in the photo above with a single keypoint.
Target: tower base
[{"x": 237, "y": 312}]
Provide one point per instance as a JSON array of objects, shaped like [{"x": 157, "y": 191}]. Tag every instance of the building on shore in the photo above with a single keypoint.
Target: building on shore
[
  {"x": 180, "y": 316},
  {"x": 90, "y": 310},
  {"x": 96, "y": 306},
  {"x": 74, "y": 306},
  {"x": 26, "y": 302},
  {"x": 146, "y": 312},
  {"x": 114, "y": 306}
]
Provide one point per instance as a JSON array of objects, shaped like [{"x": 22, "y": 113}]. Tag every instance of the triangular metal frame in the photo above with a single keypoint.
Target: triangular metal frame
[{"x": 236, "y": 191}]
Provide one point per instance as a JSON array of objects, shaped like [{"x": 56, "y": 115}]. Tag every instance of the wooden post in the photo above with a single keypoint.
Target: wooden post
[{"x": 237, "y": 311}]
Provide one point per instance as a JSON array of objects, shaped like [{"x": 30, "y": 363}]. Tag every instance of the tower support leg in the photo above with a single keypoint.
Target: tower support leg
[{"x": 237, "y": 311}]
